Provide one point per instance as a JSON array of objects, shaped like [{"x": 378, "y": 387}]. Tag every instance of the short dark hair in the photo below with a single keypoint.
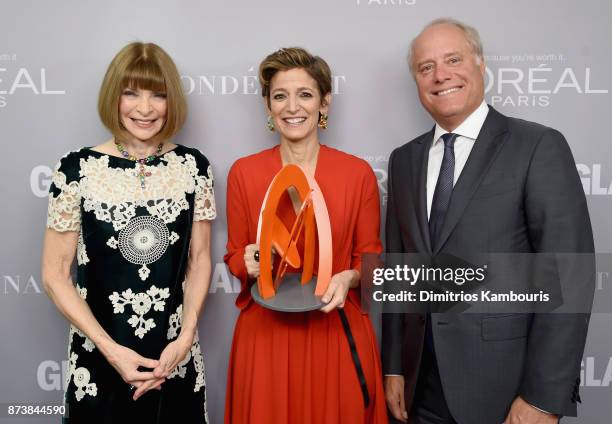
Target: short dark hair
[{"x": 295, "y": 58}]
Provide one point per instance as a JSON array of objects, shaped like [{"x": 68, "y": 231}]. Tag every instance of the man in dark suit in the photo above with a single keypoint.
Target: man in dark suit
[{"x": 480, "y": 182}]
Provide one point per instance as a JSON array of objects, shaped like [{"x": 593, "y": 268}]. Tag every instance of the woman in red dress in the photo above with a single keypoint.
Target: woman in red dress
[{"x": 300, "y": 367}]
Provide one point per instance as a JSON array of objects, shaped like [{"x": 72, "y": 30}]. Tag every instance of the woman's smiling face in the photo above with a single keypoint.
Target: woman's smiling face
[{"x": 295, "y": 104}]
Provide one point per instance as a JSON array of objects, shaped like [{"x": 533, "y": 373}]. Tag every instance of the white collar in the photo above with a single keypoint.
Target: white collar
[{"x": 470, "y": 127}]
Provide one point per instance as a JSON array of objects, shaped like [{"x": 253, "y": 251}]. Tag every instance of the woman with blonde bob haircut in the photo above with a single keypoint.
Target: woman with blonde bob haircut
[
  {"x": 136, "y": 213},
  {"x": 147, "y": 67},
  {"x": 320, "y": 366}
]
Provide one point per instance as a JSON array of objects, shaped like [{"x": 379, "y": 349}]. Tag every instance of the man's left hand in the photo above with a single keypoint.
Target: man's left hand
[{"x": 523, "y": 413}]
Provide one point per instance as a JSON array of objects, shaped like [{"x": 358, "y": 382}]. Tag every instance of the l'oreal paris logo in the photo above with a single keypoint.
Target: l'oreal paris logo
[
  {"x": 534, "y": 86},
  {"x": 23, "y": 80}
]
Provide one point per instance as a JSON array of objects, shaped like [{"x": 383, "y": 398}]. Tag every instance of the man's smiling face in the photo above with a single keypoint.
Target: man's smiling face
[{"x": 448, "y": 74}]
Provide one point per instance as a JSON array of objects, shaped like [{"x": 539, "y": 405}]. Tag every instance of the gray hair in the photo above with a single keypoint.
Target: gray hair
[{"x": 470, "y": 33}]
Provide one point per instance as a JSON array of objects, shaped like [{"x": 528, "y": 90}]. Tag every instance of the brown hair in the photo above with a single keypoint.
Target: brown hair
[
  {"x": 292, "y": 58},
  {"x": 144, "y": 66}
]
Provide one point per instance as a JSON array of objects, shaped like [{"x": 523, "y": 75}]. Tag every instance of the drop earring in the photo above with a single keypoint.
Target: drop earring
[
  {"x": 323, "y": 120},
  {"x": 270, "y": 123}
]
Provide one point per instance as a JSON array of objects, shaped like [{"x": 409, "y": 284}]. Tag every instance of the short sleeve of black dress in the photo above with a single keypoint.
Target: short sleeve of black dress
[
  {"x": 64, "y": 211},
  {"x": 131, "y": 263}
]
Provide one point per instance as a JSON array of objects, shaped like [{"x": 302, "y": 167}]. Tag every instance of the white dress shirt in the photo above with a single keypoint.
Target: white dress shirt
[{"x": 467, "y": 134}]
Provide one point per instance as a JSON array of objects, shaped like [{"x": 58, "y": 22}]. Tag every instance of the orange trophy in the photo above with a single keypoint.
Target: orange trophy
[{"x": 292, "y": 292}]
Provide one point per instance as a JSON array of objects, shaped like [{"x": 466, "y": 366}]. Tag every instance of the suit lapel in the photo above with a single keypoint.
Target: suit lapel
[
  {"x": 481, "y": 157},
  {"x": 420, "y": 180}
]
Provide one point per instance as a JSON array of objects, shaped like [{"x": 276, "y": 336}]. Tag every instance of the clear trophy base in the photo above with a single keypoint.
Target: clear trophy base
[{"x": 291, "y": 295}]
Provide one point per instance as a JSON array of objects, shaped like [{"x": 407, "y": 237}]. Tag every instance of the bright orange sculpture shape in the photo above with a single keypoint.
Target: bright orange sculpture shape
[{"x": 272, "y": 233}]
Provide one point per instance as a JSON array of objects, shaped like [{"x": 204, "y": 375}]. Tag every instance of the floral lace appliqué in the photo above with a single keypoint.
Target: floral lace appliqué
[
  {"x": 113, "y": 194},
  {"x": 174, "y": 323},
  {"x": 195, "y": 353},
  {"x": 198, "y": 363},
  {"x": 205, "y": 197},
  {"x": 82, "y": 257},
  {"x": 141, "y": 304},
  {"x": 64, "y": 211},
  {"x": 112, "y": 243},
  {"x": 81, "y": 378}
]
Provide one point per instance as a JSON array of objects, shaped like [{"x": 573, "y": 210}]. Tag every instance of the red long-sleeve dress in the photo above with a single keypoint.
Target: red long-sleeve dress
[{"x": 297, "y": 367}]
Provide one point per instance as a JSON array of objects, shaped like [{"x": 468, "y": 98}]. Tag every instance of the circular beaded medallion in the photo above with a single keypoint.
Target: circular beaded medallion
[{"x": 144, "y": 240}]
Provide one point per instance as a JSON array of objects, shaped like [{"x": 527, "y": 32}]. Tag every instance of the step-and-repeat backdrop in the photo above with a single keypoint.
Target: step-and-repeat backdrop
[{"x": 547, "y": 61}]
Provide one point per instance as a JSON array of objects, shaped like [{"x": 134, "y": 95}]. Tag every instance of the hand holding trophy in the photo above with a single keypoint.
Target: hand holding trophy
[{"x": 297, "y": 293}]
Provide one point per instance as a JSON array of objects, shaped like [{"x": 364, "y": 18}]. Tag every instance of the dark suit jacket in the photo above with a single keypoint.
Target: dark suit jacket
[{"x": 518, "y": 192}]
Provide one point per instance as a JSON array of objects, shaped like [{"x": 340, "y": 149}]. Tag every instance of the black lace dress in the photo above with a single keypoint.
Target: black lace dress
[{"x": 131, "y": 260}]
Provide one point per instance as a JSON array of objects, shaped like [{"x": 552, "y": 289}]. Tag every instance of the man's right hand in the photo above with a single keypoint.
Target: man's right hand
[{"x": 394, "y": 395}]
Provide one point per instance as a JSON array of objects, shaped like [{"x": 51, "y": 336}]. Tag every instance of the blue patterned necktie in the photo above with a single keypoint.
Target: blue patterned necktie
[
  {"x": 443, "y": 190},
  {"x": 439, "y": 206}
]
